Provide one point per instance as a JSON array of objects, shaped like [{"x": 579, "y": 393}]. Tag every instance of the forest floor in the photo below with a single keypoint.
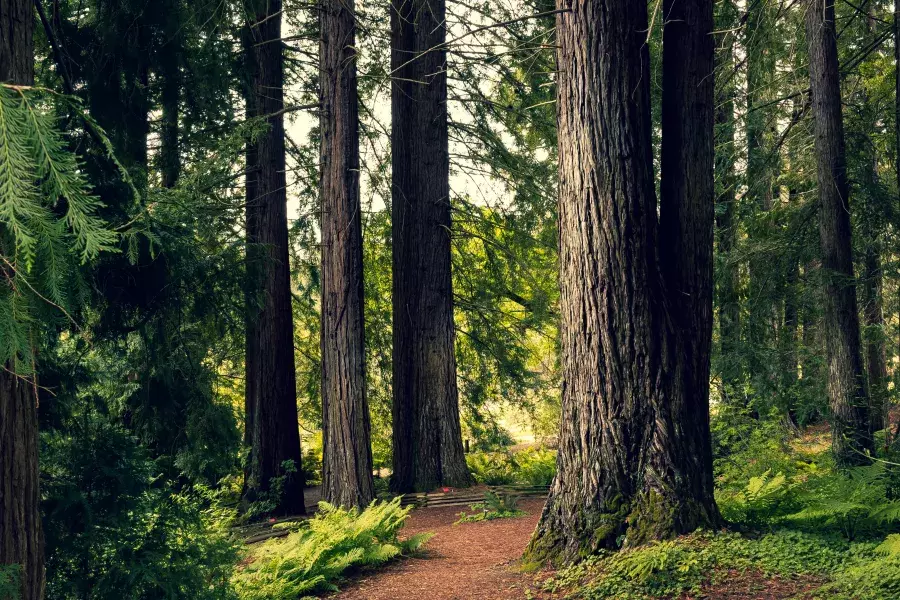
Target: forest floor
[
  {"x": 480, "y": 561},
  {"x": 469, "y": 561}
]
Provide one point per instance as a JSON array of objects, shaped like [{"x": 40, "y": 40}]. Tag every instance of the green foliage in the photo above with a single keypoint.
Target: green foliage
[
  {"x": 854, "y": 502},
  {"x": 495, "y": 506},
  {"x": 48, "y": 222},
  {"x": 330, "y": 544},
  {"x": 764, "y": 498},
  {"x": 531, "y": 466},
  {"x": 116, "y": 529},
  {"x": 10, "y": 582}
]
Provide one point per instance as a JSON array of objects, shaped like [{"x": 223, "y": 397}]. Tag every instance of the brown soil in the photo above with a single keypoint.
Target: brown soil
[{"x": 469, "y": 561}]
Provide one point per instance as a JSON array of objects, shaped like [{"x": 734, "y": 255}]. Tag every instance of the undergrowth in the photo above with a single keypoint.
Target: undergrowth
[
  {"x": 532, "y": 466},
  {"x": 10, "y": 581},
  {"x": 313, "y": 558},
  {"x": 791, "y": 513},
  {"x": 495, "y": 506}
]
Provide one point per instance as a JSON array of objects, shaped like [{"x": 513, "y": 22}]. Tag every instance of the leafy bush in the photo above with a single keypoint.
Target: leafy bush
[
  {"x": 532, "y": 466},
  {"x": 536, "y": 466},
  {"x": 495, "y": 506},
  {"x": 313, "y": 558},
  {"x": 115, "y": 530}
]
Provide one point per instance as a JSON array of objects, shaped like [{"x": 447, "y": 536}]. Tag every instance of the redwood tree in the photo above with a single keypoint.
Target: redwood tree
[
  {"x": 846, "y": 378},
  {"x": 271, "y": 398},
  {"x": 427, "y": 442},
  {"x": 687, "y": 222},
  {"x": 21, "y": 536},
  {"x": 347, "y": 450},
  {"x": 627, "y": 470}
]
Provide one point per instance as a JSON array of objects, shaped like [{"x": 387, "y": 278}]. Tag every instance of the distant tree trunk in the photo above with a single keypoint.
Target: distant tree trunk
[
  {"x": 21, "y": 535},
  {"x": 846, "y": 380},
  {"x": 624, "y": 463},
  {"x": 271, "y": 379},
  {"x": 169, "y": 150},
  {"x": 347, "y": 450},
  {"x": 728, "y": 299},
  {"x": 874, "y": 319},
  {"x": 897, "y": 150},
  {"x": 759, "y": 325},
  {"x": 427, "y": 443},
  {"x": 788, "y": 339}
]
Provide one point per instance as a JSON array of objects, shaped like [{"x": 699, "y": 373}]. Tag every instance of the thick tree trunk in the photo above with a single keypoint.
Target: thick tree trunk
[
  {"x": 623, "y": 455},
  {"x": 427, "y": 444},
  {"x": 274, "y": 434},
  {"x": 21, "y": 535},
  {"x": 686, "y": 237},
  {"x": 728, "y": 299},
  {"x": 846, "y": 380},
  {"x": 347, "y": 450}
]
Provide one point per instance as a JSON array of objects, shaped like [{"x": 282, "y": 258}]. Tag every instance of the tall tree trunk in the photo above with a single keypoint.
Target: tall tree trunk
[
  {"x": 897, "y": 152},
  {"x": 169, "y": 152},
  {"x": 872, "y": 286},
  {"x": 873, "y": 313},
  {"x": 846, "y": 380},
  {"x": 347, "y": 450},
  {"x": 427, "y": 443},
  {"x": 728, "y": 299},
  {"x": 21, "y": 535},
  {"x": 686, "y": 238},
  {"x": 274, "y": 434},
  {"x": 625, "y": 465},
  {"x": 788, "y": 339},
  {"x": 760, "y": 325}
]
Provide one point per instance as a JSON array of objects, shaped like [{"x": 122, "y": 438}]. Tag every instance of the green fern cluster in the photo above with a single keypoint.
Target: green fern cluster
[
  {"x": 48, "y": 220},
  {"x": 854, "y": 502},
  {"x": 335, "y": 541},
  {"x": 495, "y": 506},
  {"x": 10, "y": 576},
  {"x": 531, "y": 466}
]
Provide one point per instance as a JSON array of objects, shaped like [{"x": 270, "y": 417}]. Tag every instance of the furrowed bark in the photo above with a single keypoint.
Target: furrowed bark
[
  {"x": 427, "y": 443},
  {"x": 347, "y": 450},
  {"x": 729, "y": 308},
  {"x": 687, "y": 222},
  {"x": 846, "y": 379},
  {"x": 271, "y": 379},
  {"x": 21, "y": 534},
  {"x": 623, "y": 381}
]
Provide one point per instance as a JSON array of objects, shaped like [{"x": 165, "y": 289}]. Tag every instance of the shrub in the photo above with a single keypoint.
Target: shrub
[
  {"x": 313, "y": 558},
  {"x": 491, "y": 468},
  {"x": 115, "y": 529},
  {"x": 532, "y": 466},
  {"x": 495, "y": 506},
  {"x": 10, "y": 582}
]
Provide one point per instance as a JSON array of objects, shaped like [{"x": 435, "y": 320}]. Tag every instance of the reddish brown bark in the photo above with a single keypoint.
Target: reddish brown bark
[
  {"x": 347, "y": 451},
  {"x": 271, "y": 395},
  {"x": 427, "y": 443}
]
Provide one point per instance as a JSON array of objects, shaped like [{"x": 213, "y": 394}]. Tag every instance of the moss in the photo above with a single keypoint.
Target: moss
[{"x": 654, "y": 517}]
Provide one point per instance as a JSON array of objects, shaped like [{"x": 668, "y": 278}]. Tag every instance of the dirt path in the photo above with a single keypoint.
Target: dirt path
[{"x": 470, "y": 561}]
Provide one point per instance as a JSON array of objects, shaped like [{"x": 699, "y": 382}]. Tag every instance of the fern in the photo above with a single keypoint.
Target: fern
[
  {"x": 48, "y": 219},
  {"x": 335, "y": 541}
]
